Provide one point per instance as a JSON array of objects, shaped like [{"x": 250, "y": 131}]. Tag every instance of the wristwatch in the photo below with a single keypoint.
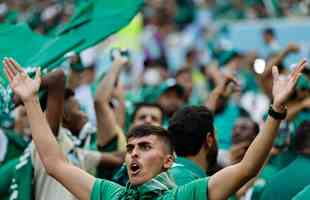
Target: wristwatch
[{"x": 276, "y": 115}]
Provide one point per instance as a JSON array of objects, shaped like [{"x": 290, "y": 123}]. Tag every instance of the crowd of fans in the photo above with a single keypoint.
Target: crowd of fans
[{"x": 175, "y": 69}]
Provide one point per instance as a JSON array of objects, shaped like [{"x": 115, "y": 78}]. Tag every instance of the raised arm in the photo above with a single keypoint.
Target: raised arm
[
  {"x": 222, "y": 90},
  {"x": 118, "y": 94},
  {"x": 55, "y": 85},
  {"x": 75, "y": 180},
  {"x": 279, "y": 57},
  {"x": 106, "y": 119},
  {"x": 229, "y": 180}
]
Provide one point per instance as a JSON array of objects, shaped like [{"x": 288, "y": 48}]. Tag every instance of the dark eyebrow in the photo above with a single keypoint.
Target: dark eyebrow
[{"x": 144, "y": 143}]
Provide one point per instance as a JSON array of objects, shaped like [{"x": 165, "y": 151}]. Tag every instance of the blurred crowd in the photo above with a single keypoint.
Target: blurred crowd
[{"x": 178, "y": 52}]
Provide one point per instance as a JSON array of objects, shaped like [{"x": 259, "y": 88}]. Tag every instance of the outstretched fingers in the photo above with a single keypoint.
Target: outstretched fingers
[
  {"x": 38, "y": 75},
  {"x": 298, "y": 70},
  {"x": 8, "y": 70},
  {"x": 15, "y": 65}
]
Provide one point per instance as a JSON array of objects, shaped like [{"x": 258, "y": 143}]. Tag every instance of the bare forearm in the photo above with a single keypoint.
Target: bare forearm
[
  {"x": 212, "y": 101},
  {"x": 106, "y": 119},
  {"x": 120, "y": 113},
  {"x": 55, "y": 99},
  {"x": 104, "y": 91},
  {"x": 43, "y": 138},
  {"x": 106, "y": 123},
  {"x": 74, "y": 179}
]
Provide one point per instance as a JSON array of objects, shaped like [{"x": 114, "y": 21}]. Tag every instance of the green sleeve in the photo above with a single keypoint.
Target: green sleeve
[
  {"x": 197, "y": 190},
  {"x": 106, "y": 190}
]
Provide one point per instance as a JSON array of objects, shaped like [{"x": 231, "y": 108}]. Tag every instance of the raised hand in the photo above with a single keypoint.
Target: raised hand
[
  {"x": 20, "y": 82},
  {"x": 283, "y": 87},
  {"x": 119, "y": 59},
  {"x": 228, "y": 85}
]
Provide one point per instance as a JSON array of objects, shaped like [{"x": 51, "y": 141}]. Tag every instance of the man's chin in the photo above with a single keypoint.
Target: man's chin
[{"x": 137, "y": 181}]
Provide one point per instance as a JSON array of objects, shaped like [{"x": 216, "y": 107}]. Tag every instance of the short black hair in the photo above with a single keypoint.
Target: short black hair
[
  {"x": 148, "y": 130},
  {"x": 269, "y": 31},
  {"x": 188, "y": 129},
  {"x": 183, "y": 70},
  {"x": 303, "y": 136},
  {"x": 140, "y": 105}
]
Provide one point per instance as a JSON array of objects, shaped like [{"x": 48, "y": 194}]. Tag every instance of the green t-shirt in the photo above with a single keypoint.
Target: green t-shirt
[
  {"x": 289, "y": 181},
  {"x": 103, "y": 189},
  {"x": 185, "y": 171},
  {"x": 304, "y": 194}
]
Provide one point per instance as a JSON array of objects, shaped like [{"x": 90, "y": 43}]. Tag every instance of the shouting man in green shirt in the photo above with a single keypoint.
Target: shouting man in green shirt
[{"x": 149, "y": 151}]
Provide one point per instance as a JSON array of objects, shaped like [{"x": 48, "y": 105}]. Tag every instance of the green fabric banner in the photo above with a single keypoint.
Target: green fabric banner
[
  {"x": 93, "y": 21},
  {"x": 96, "y": 20}
]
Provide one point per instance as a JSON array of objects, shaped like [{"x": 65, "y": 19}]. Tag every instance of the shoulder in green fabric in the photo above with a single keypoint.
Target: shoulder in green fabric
[
  {"x": 159, "y": 188},
  {"x": 289, "y": 181},
  {"x": 184, "y": 171},
  {"x": 304, "y": 194}
]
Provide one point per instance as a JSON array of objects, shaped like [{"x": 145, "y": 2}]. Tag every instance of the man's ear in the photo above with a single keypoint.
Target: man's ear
[
  {"x": 210, "y": 140},
  {"x": 168, "y": 162}
]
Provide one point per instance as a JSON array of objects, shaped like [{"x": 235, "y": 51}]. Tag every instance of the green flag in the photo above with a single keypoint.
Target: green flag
[
  {"x": 96, "y": 20},
  {"x": 93, "y": 21},
  {"x": 29, "y": 49}
]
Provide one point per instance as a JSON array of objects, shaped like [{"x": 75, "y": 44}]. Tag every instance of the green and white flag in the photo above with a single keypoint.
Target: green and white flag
[{"x": 96, "y": 20}]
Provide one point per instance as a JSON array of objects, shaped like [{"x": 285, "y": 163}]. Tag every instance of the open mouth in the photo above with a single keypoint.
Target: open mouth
[{"x": 135, "y": 169}]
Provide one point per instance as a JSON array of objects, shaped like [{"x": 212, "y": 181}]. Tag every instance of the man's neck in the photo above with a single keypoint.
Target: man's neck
[{"x": 200, "y": 159}]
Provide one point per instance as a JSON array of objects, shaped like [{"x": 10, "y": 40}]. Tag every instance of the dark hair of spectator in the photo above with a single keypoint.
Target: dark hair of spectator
[
  {"x": 148, "y": 130},
  {"x": 188, "y": 129}
]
